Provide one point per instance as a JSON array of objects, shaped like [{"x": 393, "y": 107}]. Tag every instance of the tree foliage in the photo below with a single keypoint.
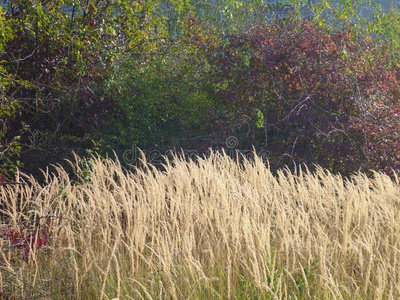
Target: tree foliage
[
  {"x": 328, "y": 96},
  {"x": 53, "y": 57},
  {"x": 320, "y": 85}
]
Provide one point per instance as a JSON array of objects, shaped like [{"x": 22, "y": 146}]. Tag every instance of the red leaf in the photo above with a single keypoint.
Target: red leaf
[{"x": 3, "y": 178}]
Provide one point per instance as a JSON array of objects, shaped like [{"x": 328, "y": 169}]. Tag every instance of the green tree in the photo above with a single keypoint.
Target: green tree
[{"x": 54, "y": 55}]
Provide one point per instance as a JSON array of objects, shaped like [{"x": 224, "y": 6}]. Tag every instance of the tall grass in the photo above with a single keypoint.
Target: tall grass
[{"x": 211, "y": 229}]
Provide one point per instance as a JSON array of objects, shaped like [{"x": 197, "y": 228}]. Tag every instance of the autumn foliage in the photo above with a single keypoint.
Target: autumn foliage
[
  {"x": 77, "y": 76},
  {"x": 27, "y": 242},
  {"x": 328, "y": 96}
]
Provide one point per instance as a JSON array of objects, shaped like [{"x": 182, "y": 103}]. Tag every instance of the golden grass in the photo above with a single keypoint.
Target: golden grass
[{"x": 213, "y": 229}]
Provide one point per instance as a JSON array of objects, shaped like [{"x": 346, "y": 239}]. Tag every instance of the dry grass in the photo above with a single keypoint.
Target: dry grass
[{"x": 207, "y": 230}]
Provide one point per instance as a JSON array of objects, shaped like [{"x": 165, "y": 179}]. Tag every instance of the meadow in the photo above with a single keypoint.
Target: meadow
[{"x": 207, "y": 229}]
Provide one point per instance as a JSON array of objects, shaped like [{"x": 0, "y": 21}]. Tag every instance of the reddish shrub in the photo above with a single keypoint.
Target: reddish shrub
[
  {"x": 28, "y": 240},
  {"x": 318, "y": 90}
]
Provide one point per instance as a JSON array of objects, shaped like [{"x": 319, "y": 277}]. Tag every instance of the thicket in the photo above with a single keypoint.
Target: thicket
[{"x": 100, "y": 76}]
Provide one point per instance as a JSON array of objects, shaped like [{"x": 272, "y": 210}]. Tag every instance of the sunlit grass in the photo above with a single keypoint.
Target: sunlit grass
[{"x": 214, "y": 229}]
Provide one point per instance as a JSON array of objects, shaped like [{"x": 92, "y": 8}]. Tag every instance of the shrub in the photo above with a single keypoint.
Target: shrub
[
  {"x": 53, "y": 57},
  {"x": 162, "y": 98},
  {"x": 309, "y": 83}
]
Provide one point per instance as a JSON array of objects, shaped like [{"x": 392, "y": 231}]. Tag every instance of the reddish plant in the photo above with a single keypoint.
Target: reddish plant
[
  {"x": 318, "y": 90},
  {"x": 28, "y": 240}
]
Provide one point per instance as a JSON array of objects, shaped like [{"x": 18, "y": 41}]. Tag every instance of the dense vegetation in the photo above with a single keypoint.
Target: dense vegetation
[
  {"x": 107, "y": 76},
  {"x": 314, "y": 84},
  {"x": 211, "y": 229}
]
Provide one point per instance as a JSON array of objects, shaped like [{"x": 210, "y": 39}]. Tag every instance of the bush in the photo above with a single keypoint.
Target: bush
[
  {"x": 161, "y": 98},
  {"x": 309, "y": 84},
  {"x": 53, "y": 55},
  {"x": 86, "y": 76}
]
